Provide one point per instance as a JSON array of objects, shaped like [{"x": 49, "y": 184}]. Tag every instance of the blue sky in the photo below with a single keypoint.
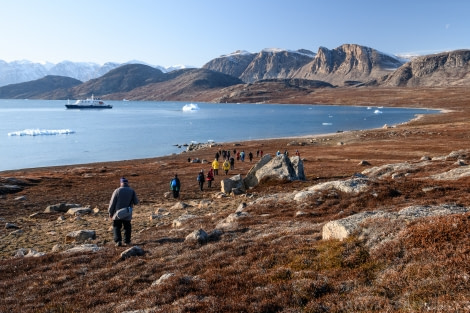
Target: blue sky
[{"x": 193, "y": 32}]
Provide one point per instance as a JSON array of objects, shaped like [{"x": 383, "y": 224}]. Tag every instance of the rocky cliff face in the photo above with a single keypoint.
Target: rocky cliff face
[
  {"x": 275, "y": 64},
  {"x": 267, "y": 64},
  {"x": 443, "y": 69},
  {"x": 348, "y": 64},
  {"x": 233, "y": 64}
]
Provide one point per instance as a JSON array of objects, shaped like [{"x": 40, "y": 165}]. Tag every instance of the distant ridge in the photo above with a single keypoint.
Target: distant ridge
[
  {"x": 273, "y": 71},
  {"x": 23, "y": 71},
  {"x": 37, "y": 88}
]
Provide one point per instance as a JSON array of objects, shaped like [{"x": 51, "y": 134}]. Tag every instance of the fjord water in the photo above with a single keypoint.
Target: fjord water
[{"x": 37, "y": 133}]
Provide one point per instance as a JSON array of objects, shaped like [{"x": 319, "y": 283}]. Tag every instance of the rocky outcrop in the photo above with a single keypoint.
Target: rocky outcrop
[
  {"x": 443, "y": 69},
  {"x": 356, "y": 224},
  {"x": 348, "y": 64}
]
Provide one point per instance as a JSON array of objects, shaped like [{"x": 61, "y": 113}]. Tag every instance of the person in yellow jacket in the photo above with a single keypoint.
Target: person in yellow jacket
[
  {"x": 226, "y": 166},
  {"x": 215, "y": 166}
]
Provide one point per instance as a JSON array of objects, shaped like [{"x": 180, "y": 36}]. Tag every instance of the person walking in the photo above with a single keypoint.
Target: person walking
[
  {"x": 201, "y": 178},
  {"x": 226, "y": 166},
  {"x": 215, "y": 166},
  {"x": 123, "y": 197},
  {"x": 232, "y": 163},
  {"x": 210, "y": 178},
  {"x": 175, "y": 186},
  {"x": 250, "y": 156}
]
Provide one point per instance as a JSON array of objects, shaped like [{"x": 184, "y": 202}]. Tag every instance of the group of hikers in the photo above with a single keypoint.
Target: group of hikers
[{"x": 124, "y": 198}]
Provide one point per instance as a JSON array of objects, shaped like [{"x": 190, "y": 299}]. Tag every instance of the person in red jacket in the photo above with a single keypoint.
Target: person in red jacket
[{"x": 210, "y": 178}]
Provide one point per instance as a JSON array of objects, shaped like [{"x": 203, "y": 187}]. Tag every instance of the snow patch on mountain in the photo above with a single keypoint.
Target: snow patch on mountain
[{"x": 23, "y": 70}]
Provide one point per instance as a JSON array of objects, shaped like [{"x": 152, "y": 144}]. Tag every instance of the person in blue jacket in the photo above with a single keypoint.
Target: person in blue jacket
[{"x": 175, "y": 186}]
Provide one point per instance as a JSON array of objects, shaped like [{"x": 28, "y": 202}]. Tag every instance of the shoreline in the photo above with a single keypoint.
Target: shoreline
[{"x": 231, "y": 143}]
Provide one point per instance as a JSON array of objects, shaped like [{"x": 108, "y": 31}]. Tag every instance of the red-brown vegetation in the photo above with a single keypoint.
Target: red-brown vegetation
[{"x": 274, "y": 260}]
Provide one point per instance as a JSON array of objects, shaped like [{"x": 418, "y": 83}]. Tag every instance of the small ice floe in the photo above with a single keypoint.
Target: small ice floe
[
  {"x": 327, "y": 124},
  {"x": 41, "y": 132},
  {"x": 378, "y": 112},
  {"x": 190, "y": 107}
]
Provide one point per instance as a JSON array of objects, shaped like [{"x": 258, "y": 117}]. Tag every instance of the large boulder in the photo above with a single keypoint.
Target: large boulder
[
  {"x": 279, "y": 168},
  {"x": 233, "y": 185}
]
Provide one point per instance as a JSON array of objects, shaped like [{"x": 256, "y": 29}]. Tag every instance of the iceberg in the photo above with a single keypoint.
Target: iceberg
[
  {"x": 190, "y": 107},
  {"x": 378, "y": 112},
  {"x": 41, "y": 132}
]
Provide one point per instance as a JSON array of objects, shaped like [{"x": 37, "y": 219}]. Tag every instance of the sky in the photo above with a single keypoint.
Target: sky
[{"x": 193, "y": 32}]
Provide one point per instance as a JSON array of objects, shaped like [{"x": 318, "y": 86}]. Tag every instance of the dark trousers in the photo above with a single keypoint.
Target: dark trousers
[
  {"x": 201, "y": 185},
  {"x": 176, "y": 193},
  {"x": 117, "y": 226}
]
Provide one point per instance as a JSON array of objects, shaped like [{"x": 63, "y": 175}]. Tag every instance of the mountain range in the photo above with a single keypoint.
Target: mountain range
[{"x": 236, "y": 75}]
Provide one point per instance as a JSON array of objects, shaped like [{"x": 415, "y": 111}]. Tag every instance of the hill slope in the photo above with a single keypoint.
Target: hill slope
[
  {"x": 443, "y": 69},
  {"x": 37, "y": 89}
]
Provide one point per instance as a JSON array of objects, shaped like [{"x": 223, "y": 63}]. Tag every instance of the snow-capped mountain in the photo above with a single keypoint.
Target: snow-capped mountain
[{"x": 23, "y": 71}]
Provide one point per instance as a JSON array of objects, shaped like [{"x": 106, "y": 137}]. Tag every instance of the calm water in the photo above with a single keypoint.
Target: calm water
[{"x": 35, "y": 133}]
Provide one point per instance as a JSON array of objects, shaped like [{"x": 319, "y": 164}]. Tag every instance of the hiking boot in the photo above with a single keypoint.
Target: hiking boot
[
  {"x": 118, "y": 244},
  {"x": 128, "y": 243}
]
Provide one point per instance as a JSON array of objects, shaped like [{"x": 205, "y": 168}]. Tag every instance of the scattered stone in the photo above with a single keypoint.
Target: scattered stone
[
  {"x": 134, "y": 251},
  {"x": 20, "y": 198},
  {"x": 460, "y": 163},
  {"x": 198, "y": 235},
  {"x": 11, "y": 226},
  {"x": 61, "y": 207},
  {"x": 61, "y": 218},
  {"x": 79, "y": 211},
  {"x": 241, "y": 207},
  {"x": 364, "y": 163},
  {"x": 204, "y": 204},
  {"x": 17, "y": 232},
  {"x": 231, "y": 221},
  {"x": 5, "y": 189},
  {"x": 180, "y": 221},
  {"x": 80, "y": 236},
  {"x": 179, "y": 206},
  {"x": 353, "y": 185},
  {"x": 28, "y": 253},
  {"x": 162, "y": 279},
  {"x": 300, "y": 213},
  {"x": 83, "y": 249}
]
